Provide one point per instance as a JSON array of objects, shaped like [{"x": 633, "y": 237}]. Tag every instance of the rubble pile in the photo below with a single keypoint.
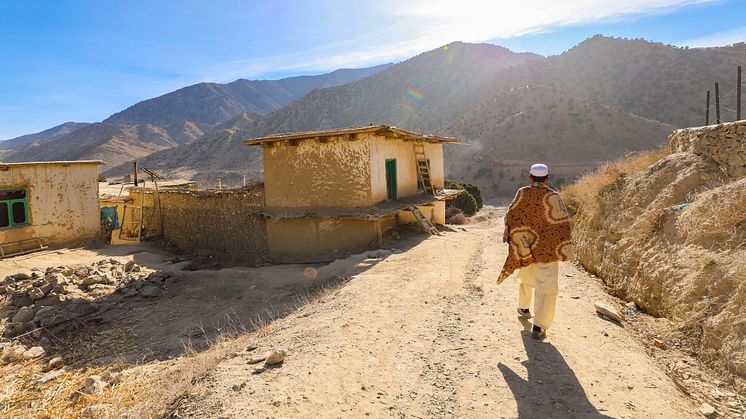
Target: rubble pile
[{"x": 44, "y": 304}]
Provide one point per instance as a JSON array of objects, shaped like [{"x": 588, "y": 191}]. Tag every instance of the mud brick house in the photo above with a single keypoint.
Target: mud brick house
[
  {"x": 43, "y": 203},
  {"x": 328, "y": 193}
]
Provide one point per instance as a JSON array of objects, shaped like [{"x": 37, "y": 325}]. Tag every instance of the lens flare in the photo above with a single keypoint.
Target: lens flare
[
  {"x": 310, "y": 273},
  {"x": 414, "y": 94}
]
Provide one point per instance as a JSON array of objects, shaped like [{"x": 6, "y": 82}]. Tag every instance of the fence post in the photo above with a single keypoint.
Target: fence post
[
  {"x": 738, "y": 95},
  {"x": 707, "y": 109},
  {"x": 717, "y": 104}
]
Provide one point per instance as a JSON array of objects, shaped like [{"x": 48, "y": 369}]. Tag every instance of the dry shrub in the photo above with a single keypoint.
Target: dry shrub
[{"x": 455, "y": 216}]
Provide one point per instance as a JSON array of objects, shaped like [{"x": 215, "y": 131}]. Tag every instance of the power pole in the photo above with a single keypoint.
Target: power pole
[
  {"x": 707, "y": 109},
  {"x": 717, "y": 103}
]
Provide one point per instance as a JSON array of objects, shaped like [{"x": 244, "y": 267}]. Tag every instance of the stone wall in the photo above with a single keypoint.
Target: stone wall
[
  {"x": 725, "y": 144},
  {"x": 226, "y": 225}
]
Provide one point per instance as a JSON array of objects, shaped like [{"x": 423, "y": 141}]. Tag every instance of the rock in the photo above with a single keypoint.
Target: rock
[
  {"x": 607, "y": 311},
  {"x": 660, "y": 344},
  {"x": 113, "y": 377},
  {"x": 34, "y": 352},
  {"x": 707, "y": 409},
  {"x": 25, "y": 314},
  {"x": 55, "y": 363},
  {"x": 93, "y": 279},
  {"x": 20, "y": 299},
  {"x": 50, "y": 300},
  {"x": 275, "y": 356},
  {"x": 129, "y": 265},
  {"x": 632, "y": 305},
  {"x": 35, "y": 293},
  {"x": 12, "y": 354},
  {"x": 94, "y": 385},
  {"x": 150, "y": 291},
  {"x": 17, "y": 329},
  {"x": 49, "y": 376},
  {"x": 3, "y": 289},
  {"x": 21, "y": 276}
]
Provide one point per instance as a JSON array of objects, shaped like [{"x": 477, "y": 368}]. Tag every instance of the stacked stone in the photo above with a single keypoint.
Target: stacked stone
[
  {"x": 724, "y": 143},
  {"x": 42, "y": 303}
]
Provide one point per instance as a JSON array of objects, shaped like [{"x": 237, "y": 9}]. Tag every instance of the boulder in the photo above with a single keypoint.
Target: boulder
[
  {"x": 129, "y": 265},
  {"x": 45, "y": 313},
  {"x": 22, "y": 276},
  {"x": 3, "y": 289},
  {"x": 25, "y": 314},
  {"x": 55, "y": 362}
]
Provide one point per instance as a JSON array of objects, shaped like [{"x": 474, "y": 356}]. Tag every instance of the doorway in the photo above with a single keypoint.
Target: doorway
[{"x": 391, "y": 179}]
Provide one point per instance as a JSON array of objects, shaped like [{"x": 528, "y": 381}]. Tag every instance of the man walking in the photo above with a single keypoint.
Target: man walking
[{"x": 537, "y": 230}]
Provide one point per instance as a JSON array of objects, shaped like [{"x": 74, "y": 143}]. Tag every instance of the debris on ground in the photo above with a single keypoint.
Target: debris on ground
[{"x": 41, "y": 305}]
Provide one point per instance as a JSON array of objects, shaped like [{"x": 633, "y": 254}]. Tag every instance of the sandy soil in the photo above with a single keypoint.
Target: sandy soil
[{"x": 428, "y": 333}]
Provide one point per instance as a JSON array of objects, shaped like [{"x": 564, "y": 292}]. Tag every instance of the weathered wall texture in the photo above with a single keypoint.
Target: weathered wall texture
[
  {"x": 311, "y": 239},
  {"x": 383, "y": 149},
  {"x": 62, "y": 200},
  {"x": 222, "y": 224},
  {"x": 725, "y": 144},
  {"x": 332, "y": 173}
]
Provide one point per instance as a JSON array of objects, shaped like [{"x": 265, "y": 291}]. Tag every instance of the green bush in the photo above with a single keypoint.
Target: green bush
[{"x": 469, "y": 202}]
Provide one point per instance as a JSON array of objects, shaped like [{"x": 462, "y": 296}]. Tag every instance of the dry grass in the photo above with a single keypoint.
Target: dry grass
[{"x": 585, "y": 192}]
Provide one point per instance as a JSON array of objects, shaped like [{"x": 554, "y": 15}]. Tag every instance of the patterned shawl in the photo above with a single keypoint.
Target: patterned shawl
[{"x": 538, "y": 229}]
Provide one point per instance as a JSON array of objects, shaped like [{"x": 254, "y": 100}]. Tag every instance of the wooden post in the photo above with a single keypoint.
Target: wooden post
[
  {"x": 707, "y": 109},
  {"x": 142, "y": 212},
  {"x": 134, "y": 165},
  {"x": 717, "y": 103},
  {"x": 738, "y": 95}
]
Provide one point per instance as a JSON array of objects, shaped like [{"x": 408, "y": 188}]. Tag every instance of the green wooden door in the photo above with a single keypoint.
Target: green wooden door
[{"x": 391, "y": 179}]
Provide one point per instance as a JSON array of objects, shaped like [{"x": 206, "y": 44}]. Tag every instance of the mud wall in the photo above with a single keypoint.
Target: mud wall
[
  {"x": 62, "y": 200},
  {"x": 326, "y": 173},
  {"x": 382, "y": 149},
  {"x": 313, "y": 239},
  {"x": 223, "y": 224}
]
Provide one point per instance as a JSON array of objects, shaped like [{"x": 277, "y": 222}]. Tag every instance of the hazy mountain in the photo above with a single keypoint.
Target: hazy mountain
[
  {"x": 425, "y": 92},
  {"x": 651, "y": 79},
  {"x": 114, "y": 144},
  {"x": 208, "y": 104},
  {"x": 529, "y": 124},
  {"x": 44, "y": 136}
]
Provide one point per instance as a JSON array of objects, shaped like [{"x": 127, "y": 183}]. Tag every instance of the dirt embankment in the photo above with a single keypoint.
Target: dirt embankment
[{"x": 668, "y": 230}]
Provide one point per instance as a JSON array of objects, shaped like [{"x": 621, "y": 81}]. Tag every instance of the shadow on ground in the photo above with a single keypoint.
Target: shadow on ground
[{"x": 552, "y": 389}]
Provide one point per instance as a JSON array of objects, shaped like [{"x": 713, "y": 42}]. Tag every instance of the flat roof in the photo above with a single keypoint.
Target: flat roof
[
  {"x": 377, "y": 129},
  {"x": 50, "y": 163}
]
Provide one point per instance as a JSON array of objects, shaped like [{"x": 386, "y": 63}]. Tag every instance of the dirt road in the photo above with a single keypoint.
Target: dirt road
[{"x": 428, "y": 333}]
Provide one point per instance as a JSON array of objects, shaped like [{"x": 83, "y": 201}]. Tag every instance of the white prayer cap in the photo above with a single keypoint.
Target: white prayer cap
[{"x": 539, "y": 170}]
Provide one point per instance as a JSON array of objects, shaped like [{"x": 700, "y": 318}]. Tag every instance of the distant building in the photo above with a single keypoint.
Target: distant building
[
  {"x": 328, "y": 193},
  {"x": 45, "y": 203}
]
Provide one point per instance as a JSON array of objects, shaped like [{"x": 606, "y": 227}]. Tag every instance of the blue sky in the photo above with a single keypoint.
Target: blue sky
[{"x": 84, "y": 60}]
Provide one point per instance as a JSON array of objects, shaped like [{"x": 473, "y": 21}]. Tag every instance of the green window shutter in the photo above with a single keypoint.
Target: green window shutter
[
  {"x": 4, "y": 215},
  {"x": 13, "y": 208}
]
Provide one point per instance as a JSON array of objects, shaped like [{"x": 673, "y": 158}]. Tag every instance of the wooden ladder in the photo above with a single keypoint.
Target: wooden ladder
[
  {"x": 423, "y": 168},
  {"x": 424, "y": 222}
]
